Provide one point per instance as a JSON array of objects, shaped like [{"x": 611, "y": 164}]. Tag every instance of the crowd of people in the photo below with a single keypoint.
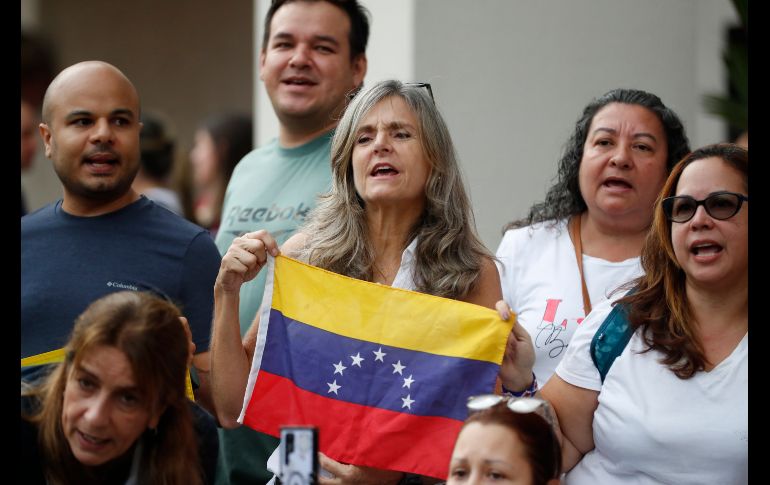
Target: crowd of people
[{"x": 627, "y": 285}]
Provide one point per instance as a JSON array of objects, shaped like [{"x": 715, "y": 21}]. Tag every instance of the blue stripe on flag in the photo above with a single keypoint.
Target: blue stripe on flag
[{"x": 371, "y": 374}]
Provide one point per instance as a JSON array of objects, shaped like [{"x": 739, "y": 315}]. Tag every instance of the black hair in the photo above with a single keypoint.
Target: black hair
[{"x": 564, "y": 199}]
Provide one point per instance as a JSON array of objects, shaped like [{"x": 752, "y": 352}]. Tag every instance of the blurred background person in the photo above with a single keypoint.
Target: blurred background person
[
  {"x": 157, "y": 164},
  {"x": 115, "y": 410},
  {"x": 28, "y": 141},
  {"x": 221, "y": 141},
  {"x": 584, "y": 240},
  {"x": 673, "y": 407},
  {"x": 506, "y": 441}
]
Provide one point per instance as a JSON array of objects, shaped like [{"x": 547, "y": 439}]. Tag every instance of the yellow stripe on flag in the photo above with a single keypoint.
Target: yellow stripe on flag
[
  {"x": 51, "y": 357},
  {"x": 446, "y": 327},
  {"x": 56, "y": 356}
]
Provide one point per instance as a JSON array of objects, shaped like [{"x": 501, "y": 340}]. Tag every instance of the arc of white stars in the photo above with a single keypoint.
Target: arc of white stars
[
  {"x": 379, "y": 355},
  {"x": 397, "y": 367},
  {"x": 357, "y": 359},
  {"x": 333, "y": 386},
  {"x": 408, "y": 382},
  {"x": 338, "y": 368},
  {"x": 407, "y": 402}
]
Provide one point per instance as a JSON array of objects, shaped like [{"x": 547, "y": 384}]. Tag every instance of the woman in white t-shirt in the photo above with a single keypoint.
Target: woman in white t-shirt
[
  {"x": 584, "y": 240},
  {"x": 673, "y": 407}
]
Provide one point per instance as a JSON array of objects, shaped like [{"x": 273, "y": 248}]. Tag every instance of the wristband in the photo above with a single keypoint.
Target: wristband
[{"x": 528, "y": 392}]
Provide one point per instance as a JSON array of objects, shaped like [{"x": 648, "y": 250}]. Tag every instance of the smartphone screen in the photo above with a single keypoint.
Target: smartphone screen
[{"x": 299, "y": 455}]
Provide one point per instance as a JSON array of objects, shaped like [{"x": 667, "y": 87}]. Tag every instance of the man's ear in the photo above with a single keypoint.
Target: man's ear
[
  {"x": 359, "y": 65},
  {"x": 45, "y": 134},
  {"x": 261, "y": 64}
]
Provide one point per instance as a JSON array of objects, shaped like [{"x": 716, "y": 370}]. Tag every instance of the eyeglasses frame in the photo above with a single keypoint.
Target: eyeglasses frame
[{"x": 668, "y": 205}]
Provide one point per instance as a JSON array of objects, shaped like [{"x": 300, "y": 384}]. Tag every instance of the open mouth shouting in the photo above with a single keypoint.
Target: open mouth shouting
[{"x": 383, "y": 170}]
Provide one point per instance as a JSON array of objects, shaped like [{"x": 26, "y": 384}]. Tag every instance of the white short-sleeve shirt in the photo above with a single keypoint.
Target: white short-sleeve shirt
[{"x": 650, "y": 426}]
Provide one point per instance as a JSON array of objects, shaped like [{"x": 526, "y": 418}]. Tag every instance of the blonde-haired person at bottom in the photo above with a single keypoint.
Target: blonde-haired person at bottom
[{"x": 115, "y": 411}]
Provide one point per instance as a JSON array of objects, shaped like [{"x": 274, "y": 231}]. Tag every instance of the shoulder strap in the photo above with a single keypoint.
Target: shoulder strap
[
  {"x": 574, "y": 232},
  {"x": 610, "y": 339}
]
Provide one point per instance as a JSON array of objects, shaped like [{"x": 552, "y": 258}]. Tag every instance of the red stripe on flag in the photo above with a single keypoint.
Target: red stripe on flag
[{"x": 376, "y": 437}]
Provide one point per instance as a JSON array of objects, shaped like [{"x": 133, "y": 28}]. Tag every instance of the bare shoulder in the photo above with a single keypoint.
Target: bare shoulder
[
  {"x": 294, "y": 245},
  {"x": 487, "y": 291}
]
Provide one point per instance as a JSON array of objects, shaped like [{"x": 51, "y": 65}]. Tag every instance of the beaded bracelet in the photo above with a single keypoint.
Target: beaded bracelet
[{"x": 528, "y": 392}]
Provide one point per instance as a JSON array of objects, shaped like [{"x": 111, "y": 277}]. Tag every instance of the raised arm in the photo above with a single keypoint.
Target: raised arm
[
  {"x": 230, "y": 357},
  {"x": 574, "y": 406}
]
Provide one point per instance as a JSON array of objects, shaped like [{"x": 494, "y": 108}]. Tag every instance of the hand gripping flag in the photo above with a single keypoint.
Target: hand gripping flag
[{"x": 384, "y": 373}]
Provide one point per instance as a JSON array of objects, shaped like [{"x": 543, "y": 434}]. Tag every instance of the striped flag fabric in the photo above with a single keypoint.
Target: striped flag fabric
[{"x": 384, "y": 373}]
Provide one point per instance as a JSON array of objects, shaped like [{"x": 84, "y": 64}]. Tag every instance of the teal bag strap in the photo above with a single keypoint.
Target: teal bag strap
[{"x": 610, "y": 339}]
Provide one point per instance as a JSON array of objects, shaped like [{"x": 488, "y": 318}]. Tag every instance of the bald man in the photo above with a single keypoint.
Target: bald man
[{"x": 102, "y": 236}]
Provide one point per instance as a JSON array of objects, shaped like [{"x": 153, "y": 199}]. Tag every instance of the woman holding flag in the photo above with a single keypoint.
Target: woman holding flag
[{"x": 397, "y": 214}]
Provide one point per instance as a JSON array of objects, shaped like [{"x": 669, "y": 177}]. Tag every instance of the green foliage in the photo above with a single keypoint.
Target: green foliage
[{"x": 734, "y": 111}]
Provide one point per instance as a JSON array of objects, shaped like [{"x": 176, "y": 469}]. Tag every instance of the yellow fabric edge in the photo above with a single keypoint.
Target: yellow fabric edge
[
  {"x": 57, "y": 355},
  {"x": 454, "y": 328}
]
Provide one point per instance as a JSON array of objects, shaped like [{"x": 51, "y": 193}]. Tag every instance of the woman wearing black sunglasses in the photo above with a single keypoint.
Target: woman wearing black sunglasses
[{"x": 673, "y": 407}]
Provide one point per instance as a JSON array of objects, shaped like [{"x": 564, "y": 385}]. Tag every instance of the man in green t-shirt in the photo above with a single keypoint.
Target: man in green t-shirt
[{"x": 313, "y": 56}]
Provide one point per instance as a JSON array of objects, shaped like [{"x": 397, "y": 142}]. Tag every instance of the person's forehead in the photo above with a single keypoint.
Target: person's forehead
[
  {"x": 614, "y": 113},
  {"x": 110, "y": 365},
  {"x": 709, "y": 174},
  {"x": 311, "y": 18},
  {"x": 96, "y": 92},
  {"x": 390, "y": 109}
]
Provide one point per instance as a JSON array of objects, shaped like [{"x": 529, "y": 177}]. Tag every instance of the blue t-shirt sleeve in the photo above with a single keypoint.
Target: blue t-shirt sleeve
[{"x": 200, "y": 268}]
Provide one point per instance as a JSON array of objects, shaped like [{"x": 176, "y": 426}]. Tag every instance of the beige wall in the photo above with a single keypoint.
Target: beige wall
[
  {"x": 187, "y": 58},
  {"x": 510, "y": 77}
]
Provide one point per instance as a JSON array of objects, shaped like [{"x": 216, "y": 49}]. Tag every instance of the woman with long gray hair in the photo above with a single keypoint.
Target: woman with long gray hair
[{"x": 397, "y": 214}]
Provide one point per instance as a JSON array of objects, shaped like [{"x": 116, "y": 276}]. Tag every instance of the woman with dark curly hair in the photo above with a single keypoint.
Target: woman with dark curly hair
[{"x": 584, "y": 240}]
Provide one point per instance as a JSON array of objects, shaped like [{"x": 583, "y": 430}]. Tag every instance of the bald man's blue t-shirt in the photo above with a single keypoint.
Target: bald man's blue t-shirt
[{"x": 67, "y": 262}]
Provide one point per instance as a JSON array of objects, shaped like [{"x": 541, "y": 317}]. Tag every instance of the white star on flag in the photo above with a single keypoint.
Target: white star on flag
[
  {"x": 333, "y": 387},
  {"x": 407, "y": 402},
  {"x": 338, "y": 368},
  {"x": 408, "y": 382},
  {"x": 397, "y": 367},
  {"x": 379, "y": 354},
  {"x": 357, "y": 359}
]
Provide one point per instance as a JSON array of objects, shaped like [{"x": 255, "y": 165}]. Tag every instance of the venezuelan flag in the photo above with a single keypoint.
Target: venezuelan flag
[{"x": 384, "y": 373}]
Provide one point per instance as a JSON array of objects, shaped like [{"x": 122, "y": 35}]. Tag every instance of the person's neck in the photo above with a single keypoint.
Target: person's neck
[
  {"x": 611, "y": 240},
  {"x": 83, "y": 207},
  {"x": 389, "y": 232},
  {"x": 297, "y": 134},
  {"x": 719, "y": 307},
  {"x": 721, "y": 318}
]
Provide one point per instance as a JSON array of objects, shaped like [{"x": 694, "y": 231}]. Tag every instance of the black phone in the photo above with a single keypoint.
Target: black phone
[{"x": 298, "y": 452}]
